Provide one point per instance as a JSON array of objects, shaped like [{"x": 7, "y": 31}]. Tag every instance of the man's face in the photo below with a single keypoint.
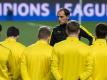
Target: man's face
[{"x": 62, "y": 18}]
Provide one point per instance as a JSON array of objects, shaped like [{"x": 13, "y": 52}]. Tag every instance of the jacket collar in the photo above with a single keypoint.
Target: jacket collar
[
  {"x": 73, "y": 39},
  {"x": 10, "y": 39},
  {"x": 100, "y": 41},
  {"x": 42, "y": 41}
]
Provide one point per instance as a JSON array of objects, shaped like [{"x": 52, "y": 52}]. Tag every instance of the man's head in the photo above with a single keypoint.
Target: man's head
[
  {"x": 101, "y": 30},
  {"x": 73, "y": 28},
  {"x": 44, "y": 33},
  {"x": 13, "y": 32},
  {"x": 0, "y": 27},
  {"x": 63, "y": 15}
]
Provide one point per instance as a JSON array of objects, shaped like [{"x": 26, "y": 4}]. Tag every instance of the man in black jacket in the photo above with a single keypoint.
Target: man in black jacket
[{"x": 59, "y": 32}]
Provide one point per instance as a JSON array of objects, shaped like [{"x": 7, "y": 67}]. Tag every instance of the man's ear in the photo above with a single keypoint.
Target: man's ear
[
  {"x": 49, "y": 37},
  {"x": 66, "y": 32},
  {"x": 17, "y": 37}
]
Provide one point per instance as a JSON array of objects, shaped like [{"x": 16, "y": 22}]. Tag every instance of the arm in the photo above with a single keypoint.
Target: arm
[
  {"x": 14, "y": 70},
  {"x": 86, "y": 34},
  {"x": 53, "y": 39},
  {"x": 54, "y": 66},
  {"x": 24, "y": 72},
  {"x": 89, "y": 68},
  {"x": 3, "y": 65}
]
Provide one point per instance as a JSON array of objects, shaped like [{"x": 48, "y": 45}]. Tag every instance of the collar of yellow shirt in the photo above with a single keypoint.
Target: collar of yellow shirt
[
  {"x": 42, "y": 41},
  {"x": 73, "y": 39},
  {"x": 103, "y": 41},
  {"x": 10, "y": 39}
]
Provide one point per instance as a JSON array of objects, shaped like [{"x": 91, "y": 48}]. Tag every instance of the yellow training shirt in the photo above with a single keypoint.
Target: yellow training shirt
[
  {"x": 71, "y": 60},
  {"x": 36, "y": 61}
]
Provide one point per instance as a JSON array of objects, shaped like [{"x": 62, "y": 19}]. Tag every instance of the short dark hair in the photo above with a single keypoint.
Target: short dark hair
[
  {"x": 72, "y": 27},
  {"x": 44, "y": 32},
  {"x": 0, "y": 27},
  {"x": 66, "y": 11},
  {"x": 101, "y": 30},
  {"x": 12, "y": 31}
]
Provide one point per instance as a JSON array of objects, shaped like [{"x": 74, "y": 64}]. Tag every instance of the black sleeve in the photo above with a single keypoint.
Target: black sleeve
[
  {"x": 53, "y": 38},
  {"x": 86, "y": 35},
  {"x": 0, "y": 27}
]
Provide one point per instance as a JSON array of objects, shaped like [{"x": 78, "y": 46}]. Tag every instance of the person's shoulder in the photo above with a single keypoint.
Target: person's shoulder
[
  {"x": 1, "y": 42},
  {"x": 20, "y": 44},
  {"x": 84, "y": 45},
  {"x": 2, "y": 46},
  {"x": 4, "y": 43},
  {"x": 56, "y": 27},
  {"x": 28, "y": 49},
  {"x": 31, "y": 46},
  {"x": 60, "y": 44}
]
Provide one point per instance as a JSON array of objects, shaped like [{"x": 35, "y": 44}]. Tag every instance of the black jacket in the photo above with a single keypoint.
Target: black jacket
[{"x": 59, "y": 34}]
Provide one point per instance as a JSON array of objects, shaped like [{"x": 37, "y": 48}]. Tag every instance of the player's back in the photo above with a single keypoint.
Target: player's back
[
  {"x": 72, "y": 55},
  {"x": 16, "y": 49},
  {"x": 99, "y": 51},
  {"x": 38, "y": 58}
]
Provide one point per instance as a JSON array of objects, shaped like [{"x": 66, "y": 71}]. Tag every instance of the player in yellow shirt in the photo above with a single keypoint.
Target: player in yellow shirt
[
  {"x": 37, "y": 58},
  {"x": 4, "y": 52},
  {"x": 99, "y": 51},
  {"x": 16, "y": 49},
  {"x": 71, "y": 62}
]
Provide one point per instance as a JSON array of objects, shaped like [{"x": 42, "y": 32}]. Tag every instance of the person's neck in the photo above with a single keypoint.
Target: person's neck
[
  {"x": 13, "y": 37},
  {"x": 101, "y": 38},
  {"x": 46, "y": 40},
  {"x": 64, "y": 23},
  {"x": 73, "y": 35}
]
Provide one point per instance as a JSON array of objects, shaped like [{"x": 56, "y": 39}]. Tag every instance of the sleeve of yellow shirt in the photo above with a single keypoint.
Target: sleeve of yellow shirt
[
  {"x": 3, "y": 73},
  {"x": 54, "y": 66},
  {"x": 24, "y": 72},
  {"x": 89, "y": 68},
  {"x": 3, "y": 62},
  {"x": 10, "y": 64}
]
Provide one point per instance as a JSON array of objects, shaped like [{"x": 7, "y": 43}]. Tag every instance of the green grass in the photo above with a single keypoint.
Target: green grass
[{"x": 29, "y": 30}]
